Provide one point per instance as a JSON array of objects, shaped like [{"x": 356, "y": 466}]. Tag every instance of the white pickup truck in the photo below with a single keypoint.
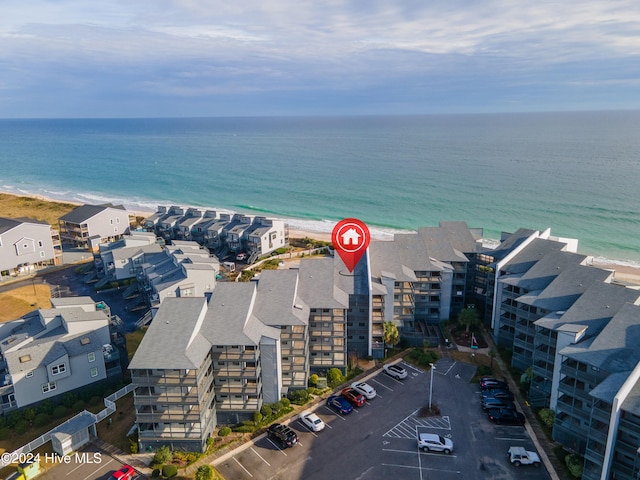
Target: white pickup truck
[{"x": 519, "y": 456}]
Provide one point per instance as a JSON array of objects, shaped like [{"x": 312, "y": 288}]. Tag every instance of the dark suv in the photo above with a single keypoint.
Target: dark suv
[{"x": 283, "y": 434}]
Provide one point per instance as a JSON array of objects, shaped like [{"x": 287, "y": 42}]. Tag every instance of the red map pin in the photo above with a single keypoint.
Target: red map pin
[{"x": 350, "y": 238}]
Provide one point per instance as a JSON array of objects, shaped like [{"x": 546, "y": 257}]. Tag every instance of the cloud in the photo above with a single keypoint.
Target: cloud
[{"x": 190, "y": 48}]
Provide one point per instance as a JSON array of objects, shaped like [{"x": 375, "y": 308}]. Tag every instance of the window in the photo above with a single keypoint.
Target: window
[
  {"x": 91, "y": 356},
  {"x": 58, "y": 369},
  {"x": 29, "y": 375},
  {"x": 48, "y": 387},
  {"x": 117, "y": 219},
  {"x": 94, "y": 371},
  {"x": 40, "y": 243},
  {"x": 42, "y": 254}
]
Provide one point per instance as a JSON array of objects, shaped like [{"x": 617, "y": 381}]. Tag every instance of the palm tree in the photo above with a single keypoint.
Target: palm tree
[{"x": 469, "y": 317}]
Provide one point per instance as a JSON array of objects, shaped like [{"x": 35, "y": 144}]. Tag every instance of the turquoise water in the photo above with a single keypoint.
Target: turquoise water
[{"x": 574, "y": 172}]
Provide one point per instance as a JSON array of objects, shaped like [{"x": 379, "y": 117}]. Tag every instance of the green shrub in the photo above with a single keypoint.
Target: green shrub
[
  {"x": 78, "y": 405},
  {"x": 285, "y": 402},
  {"x": 68, "y": 399},
  {"x": 41, "y": 420},
  {"x": 483, "y": 371},
  {"x": 313, "y": 380},
  {"x": 60, "y": 411},
  {"x": 204, "y": 472},
  {"x": 45, "y": 407},
  {"x": 244, "y": 429},
  {"x": 257, "y": 417},
  {"x": 334, "y": 377},
  {"x": 299, "y": 397},
  {"x": 95, "y": 400},
  {"x": 29, "y": 414},
  {"x": 169, "y": 471},
  {"x": 574, "y": 464},
  {"x": 155, "y": 473},
  {"x": 133, "y": 446},
  {"x": 22, "y": 427},
  {"x": 547, "y": 416},
  {"x": 421, "y": 358},
  {"x": 275, "y": 407},
  {"x": 224, "y": 431},
  {"x": 163, "y": 455},
  {"x": 5, "y": 433},
  {"x": 13, "y": 419},
  {"x": 266, "y": 410}
]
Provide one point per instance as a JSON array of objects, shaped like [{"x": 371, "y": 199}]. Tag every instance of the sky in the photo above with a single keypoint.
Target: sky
[{"x": 182, "y": 58}]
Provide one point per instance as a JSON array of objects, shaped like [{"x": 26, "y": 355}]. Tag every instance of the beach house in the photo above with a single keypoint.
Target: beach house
[
  {"x": 52, "y": 351},
  {"x": 88, "y": 226},
  {"x": 27, "y": 245}
]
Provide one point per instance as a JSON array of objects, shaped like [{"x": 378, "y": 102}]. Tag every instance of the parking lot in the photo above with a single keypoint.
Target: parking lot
[
  {"x": 90, "y": 463},
  {"x": 378, "y": 440}
]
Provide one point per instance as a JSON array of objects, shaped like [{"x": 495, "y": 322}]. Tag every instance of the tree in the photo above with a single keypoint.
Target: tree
[
  {"x": 334, "y": 377},
  {"x": 163, "y": 455},
  {"x": 469, "y": 318},
  {"x": 391, "y": 334}
]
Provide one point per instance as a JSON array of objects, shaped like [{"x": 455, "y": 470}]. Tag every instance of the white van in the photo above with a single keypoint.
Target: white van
[{"x": 430, "y": 442}]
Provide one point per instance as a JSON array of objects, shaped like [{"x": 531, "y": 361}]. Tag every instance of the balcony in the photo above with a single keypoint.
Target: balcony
[
  {"x": 167, "y": 417},
  {"x": 159, "y": 380}
]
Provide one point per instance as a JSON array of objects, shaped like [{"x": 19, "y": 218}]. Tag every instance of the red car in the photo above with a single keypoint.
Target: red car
[
  {"x": 125, "y": 473},
  {"x": 353, "y": 397}
]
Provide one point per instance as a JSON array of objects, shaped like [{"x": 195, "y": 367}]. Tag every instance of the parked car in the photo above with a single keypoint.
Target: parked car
[
  {"x": 497, "y": 393},
  {"x": 497, "y": 384},
  {"x": 241, "y": 257},
  {"x": 520, "y": 456},
  {"x": 339, "y": 404},
  {"x": 365, "y": 389},
  {"x": 395, "y": 371},
  {"x": 311, "y": 421},
  {"x": 492, "y": 402},
  {"x": 508, "y": 416},
  {"x": 354, "y": 397},
  {"x": 282, "y": 434},
  {"x": 125, "y": 473},
  {"x": 490, "y": 382},
  {"x": 430, "y": 442}
]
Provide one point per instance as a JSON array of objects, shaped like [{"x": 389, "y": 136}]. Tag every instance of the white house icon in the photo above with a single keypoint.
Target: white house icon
[{"x": 350, "y": 237}]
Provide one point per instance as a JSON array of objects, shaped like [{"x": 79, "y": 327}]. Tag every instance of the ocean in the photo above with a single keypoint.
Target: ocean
[{"x": 576, "y": 173}]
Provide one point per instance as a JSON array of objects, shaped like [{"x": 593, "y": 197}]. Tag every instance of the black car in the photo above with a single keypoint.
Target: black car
[
  {"x": 283, "y": 434},
  {"x": 497, "y": 393},
  {"x": 488, "y": 383},
  {"x": 492, "y": 402},
  {"x": 509, "y": 416}
]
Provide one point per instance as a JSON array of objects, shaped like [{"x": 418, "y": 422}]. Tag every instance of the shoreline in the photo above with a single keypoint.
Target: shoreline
[{"x": 624, "y": 271}]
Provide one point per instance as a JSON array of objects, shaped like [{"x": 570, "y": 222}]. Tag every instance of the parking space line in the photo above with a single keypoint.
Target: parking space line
[
  {"x": 242, "y": 467},
  {"x": 408, "y": 365},
  {"x": 335, "y": 413},
  {"x": 96, "y": 471},
  {"x": 307, "y": 428},
  {"x": 382, "y": 384},
  {"x": 274, "y": 444},
  {"x": 399, "y": 451},
  {"x": 260, "y": 456},
  {"x": 80, "y": 465}
]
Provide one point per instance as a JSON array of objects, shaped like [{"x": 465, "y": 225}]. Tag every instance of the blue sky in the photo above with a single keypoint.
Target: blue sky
[{"x": 148, "y": 58}]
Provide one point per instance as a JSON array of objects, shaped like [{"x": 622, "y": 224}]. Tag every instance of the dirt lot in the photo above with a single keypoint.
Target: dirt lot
[{"x": 22, "y": 300}]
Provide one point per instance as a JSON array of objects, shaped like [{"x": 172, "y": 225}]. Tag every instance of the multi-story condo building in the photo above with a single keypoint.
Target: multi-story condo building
[
  {"x": 425, "y": 275},
  {"x": 118, "y": 260},
  {"x": 52, "y": 351},
  {"x": 88, "y": 226},
  {"x": 222, "y": 233},
  {"x": 27, "y": 245},
  {"x": 183, "y": 269},
  {"x": 586, "y": 317}
]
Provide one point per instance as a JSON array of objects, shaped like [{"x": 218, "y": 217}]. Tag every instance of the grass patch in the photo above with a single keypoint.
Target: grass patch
[
  {"x": 13, "y": 206},
  {"x": 115, "y": 432},
  {"x": 22, "y": 300},
  {"x": 133, "y": 340}
]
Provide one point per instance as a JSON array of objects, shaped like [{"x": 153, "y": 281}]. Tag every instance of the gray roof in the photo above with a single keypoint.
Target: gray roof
[
  {"x": 609, "y": 387},
  {"x": 595, "y": 307},
  {"x": 566, "y": 288},
  {"x": 632, "y": 402},
  {"x": 615, "y": 348},
  {"x": 230, "y": 319},
  {"x": 317, "y": 283},
  {"x": 168, "y": 343},
  {"x": 7, "y": 224},
  {"x": 541, "y": 273},
  {"x": 277, "y": 302},
  {"x": 85, "y": 212},
  {"x": 534, "y": 252},
  {"x": 508, "y": 243},
  {"x": 449, "y": 241}
]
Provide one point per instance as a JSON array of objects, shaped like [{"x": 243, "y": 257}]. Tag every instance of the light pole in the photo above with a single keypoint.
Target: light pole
[{"x": 433, "y": 367}]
